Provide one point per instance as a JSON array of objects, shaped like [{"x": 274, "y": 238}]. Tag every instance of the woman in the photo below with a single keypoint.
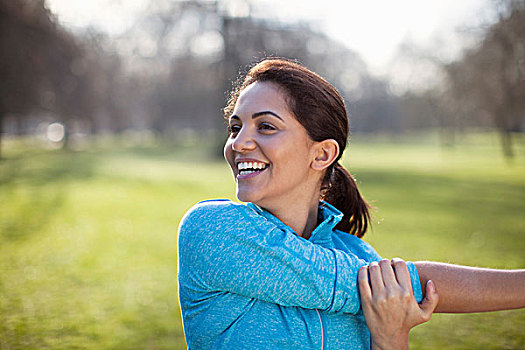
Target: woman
[{"x": 281, "y": 272}]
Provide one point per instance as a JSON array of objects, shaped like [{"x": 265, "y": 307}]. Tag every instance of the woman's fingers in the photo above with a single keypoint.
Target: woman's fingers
[
  {"x": 364, "y": 286},
  {"x": 389, "y": 278},
  {"x": 376, "y": 278},
  {"x": 430, "y": 302},
  {"x": 383, "y": 280},
  {"x": 402, "y": 274}
]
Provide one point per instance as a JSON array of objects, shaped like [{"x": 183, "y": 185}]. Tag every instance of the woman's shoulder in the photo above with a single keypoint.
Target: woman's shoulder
[
  {"x": 219, "y": 220},
  {"x": 209, "y": 208},
  {"x": 214, "y": 205},
  {"x": 214, "y": 211}
]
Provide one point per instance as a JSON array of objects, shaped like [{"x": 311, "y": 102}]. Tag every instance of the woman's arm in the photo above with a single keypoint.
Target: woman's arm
[
  {"x": 465, "y": 289},
  {"x": 227, "y": 247},
  {"x": 391, "y": 311},
  {"x": 389, "y": 306}
]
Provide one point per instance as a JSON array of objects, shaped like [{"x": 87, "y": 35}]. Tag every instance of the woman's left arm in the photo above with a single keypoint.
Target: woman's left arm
[
  {"x": 388, "y": 303},
  {"x": 464, "y": 289}
]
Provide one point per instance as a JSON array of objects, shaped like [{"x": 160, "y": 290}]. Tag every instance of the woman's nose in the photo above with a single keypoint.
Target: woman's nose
[{"x": 243, "y": 141}]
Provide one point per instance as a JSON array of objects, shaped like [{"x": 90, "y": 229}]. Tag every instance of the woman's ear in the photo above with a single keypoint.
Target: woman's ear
[{"x": 326, "y": 153}]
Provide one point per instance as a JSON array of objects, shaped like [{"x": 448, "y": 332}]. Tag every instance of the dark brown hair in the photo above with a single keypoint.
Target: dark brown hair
[{"x": 321, "y": 110}]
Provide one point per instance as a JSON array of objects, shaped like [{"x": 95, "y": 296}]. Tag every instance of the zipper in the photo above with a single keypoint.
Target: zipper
[{"x": 322, "y": 330}]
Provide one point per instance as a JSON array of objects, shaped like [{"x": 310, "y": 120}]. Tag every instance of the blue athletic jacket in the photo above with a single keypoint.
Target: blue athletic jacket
[{"x": 247, "y": 281}]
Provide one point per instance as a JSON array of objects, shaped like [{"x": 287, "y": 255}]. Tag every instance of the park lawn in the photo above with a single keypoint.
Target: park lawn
[{"x": 88, "y": 239}]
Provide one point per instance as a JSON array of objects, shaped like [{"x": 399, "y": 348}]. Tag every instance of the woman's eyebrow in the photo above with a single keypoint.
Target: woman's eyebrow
[{"x": 258, "y": 114}]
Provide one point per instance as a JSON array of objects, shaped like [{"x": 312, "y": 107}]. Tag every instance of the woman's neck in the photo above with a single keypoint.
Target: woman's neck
[{"x": 302, "y": 217}]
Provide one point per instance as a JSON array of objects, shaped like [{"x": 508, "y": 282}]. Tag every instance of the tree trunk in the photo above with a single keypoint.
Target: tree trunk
[
  {"x": 1, "y": 131},
  {"x": 66, "y": 141},
  {"x": 506, "y": 144},
  {"x": 447, "y": 136}
]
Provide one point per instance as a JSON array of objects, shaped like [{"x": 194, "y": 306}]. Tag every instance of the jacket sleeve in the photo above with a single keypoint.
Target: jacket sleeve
[
  {"x": 365, "y": 251},
  {"x": 226, "y": 247}
]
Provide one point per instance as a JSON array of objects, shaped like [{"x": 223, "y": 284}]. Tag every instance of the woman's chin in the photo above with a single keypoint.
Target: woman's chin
[{"x": 245, "y": 196}]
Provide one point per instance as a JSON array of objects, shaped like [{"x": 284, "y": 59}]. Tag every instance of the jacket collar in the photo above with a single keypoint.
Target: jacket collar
[{"x": 329, "y": 217}]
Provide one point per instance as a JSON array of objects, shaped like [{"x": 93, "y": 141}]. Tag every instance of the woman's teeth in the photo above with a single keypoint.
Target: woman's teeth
[{"x": 246, "y": 168}]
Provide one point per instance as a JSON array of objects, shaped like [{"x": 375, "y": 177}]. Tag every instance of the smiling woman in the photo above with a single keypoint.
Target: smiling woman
[
  {"x": 311, "y": 113},
  {"x": 281, "y": 272}
]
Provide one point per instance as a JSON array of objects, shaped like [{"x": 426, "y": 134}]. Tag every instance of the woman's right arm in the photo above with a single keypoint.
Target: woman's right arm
[
  {"x": 464, "y": 289},
  {"x": 226, "y": 247}
]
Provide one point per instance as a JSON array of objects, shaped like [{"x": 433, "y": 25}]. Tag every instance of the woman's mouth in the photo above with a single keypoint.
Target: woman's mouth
[{"x": 250, "y": 169}]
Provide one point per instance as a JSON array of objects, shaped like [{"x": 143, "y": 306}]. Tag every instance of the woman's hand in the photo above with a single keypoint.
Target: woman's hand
[{"x": 389, "y": 305}]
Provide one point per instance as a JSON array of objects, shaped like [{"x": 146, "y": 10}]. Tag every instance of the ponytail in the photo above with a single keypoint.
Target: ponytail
[{"x": 341, "y": 191}]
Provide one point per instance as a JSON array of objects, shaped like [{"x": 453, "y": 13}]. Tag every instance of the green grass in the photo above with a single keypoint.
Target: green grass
[{"x": 88, "y": 239}]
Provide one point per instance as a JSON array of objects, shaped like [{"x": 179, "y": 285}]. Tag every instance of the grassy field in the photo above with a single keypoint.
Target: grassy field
[{"x": 88, "y": 239}]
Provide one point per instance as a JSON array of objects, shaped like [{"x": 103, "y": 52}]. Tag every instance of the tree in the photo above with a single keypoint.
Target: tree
[
  {"x": 490, "y": 78},
  {"x": 45, "y": 68},
  {"x": 23, "y": 26}
]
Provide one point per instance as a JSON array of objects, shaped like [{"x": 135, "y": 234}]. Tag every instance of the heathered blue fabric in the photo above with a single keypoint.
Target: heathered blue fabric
[{"x": 247, "y": 281}]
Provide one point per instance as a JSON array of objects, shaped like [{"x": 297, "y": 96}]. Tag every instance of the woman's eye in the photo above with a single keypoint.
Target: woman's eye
[
  {"x": 234, "y": 129},
  {"x": 266, "y": 126}
]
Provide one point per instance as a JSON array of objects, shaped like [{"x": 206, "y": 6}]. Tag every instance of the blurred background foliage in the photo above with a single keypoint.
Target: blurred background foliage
[
  {"x": 166, "y": 76},
  {"x": 106, "y": 140}
]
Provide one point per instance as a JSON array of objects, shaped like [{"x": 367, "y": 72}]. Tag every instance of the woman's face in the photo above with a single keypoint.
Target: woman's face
[{"x": 268, "y": 150}]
